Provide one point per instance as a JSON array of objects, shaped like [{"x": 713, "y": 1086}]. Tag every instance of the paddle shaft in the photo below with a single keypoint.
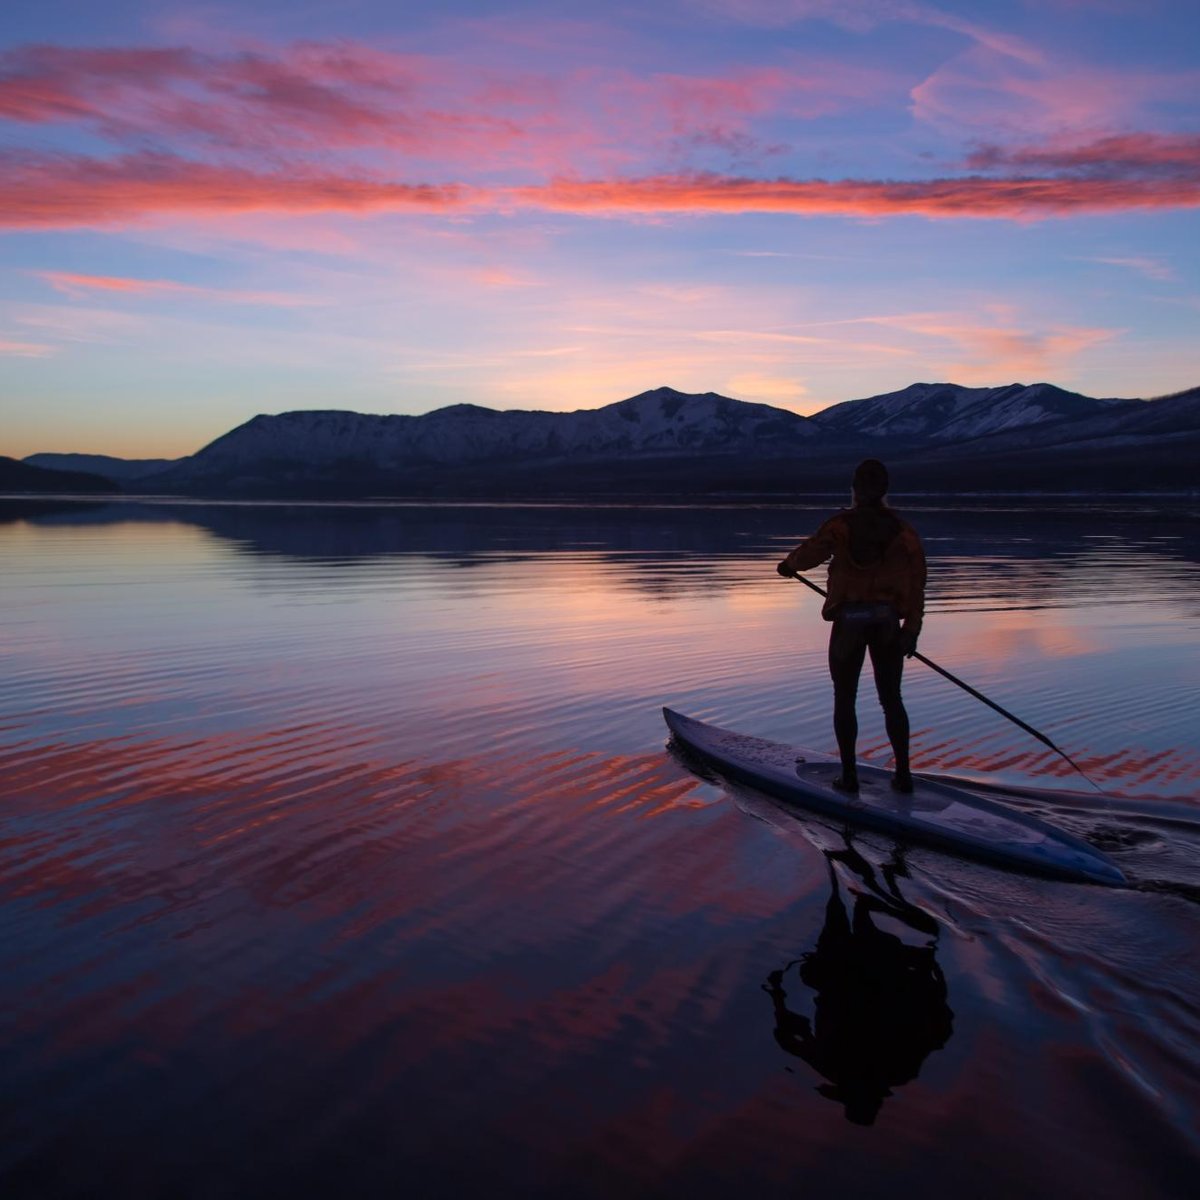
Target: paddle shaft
[{"x": 966, "y": 687}]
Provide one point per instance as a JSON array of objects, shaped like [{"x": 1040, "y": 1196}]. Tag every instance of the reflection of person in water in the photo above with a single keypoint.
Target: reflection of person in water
[{"x": 880, "y": 1007}]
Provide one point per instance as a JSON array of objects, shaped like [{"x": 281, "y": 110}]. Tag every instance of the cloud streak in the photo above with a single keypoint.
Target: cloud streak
[
  {"x": 346, "y": 98},
  {"x": 968, "y": 196},
  {"x": 982, "y": 350},
  {"x": 307, "y": 94},
  {"x": 71, "y": 283},
  {"x": 985, "y": 90},
  {"x": 321, "y": 128},
  {"x": 1149, "y": 268},
  {"x": 14, "y": 349},
  {"x": 1145, "y": 153},
  {"x": 865, "y": 16},
  {"x": 66, "y": 191}
]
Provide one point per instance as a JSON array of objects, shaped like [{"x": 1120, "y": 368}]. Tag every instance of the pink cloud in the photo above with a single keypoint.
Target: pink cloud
[
  {"x": 1023, "y": 351},
  {"x": 985, "y": 89},
  {"x": 65, "y": 192},
  {"x": 970, "y": 196},
  {"x": 612, "y": 119},
  {"x": 1004, "y": 44},
  {"x": 49, "y": 83},
  {"x": 501, "y": 277},
  {"x": 312, "y": 104},
  {"x": 1150, "y": 268},
  {"x": 76, "y": 191},
  {"x": 322, "y": 101},
  {"x": 307, "y": 94},
  {"x": 807, "y": 90},
  {"x": 346, "y": 97},
  {"x": 71, "y": 283},
  {"x": 981, "y": 351},
  {"x": 13, "y": 349},
  {"x": 864, "y": 16},
  {"x": 1128, "y": 152}
]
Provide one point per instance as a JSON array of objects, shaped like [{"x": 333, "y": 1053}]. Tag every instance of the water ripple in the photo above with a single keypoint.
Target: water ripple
[{"x": 334, "y": 841}]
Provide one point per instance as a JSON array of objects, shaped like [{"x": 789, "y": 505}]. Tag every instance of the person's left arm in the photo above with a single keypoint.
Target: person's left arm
[{"x": 812, "y": 551}]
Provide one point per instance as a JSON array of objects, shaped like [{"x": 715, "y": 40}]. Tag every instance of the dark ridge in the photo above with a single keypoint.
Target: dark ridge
[
  {"x": 1192, "y": 393},
  {"x": 105, "y": 465},
  {"x": 16, "y": 476}
]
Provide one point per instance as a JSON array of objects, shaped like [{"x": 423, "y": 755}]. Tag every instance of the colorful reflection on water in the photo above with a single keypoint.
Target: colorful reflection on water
[{"x": 342, "y": 855}]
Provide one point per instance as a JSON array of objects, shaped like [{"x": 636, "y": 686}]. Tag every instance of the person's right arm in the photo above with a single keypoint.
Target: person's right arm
[{"x": 910, "y": 630}]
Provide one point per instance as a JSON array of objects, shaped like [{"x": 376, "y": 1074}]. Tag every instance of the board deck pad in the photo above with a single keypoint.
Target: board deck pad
[{"x": 935, "y": 812}]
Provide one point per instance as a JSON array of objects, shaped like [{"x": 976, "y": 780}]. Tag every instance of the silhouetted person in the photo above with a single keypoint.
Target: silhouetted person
[
  {"x": 880, "y": 1007},
  {"x": 876, "y": 602}
]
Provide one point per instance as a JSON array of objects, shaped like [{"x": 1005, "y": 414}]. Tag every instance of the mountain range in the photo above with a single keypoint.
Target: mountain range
[
  {"x": 945, "y": 412},
  {"x": 937, "y": 436}
]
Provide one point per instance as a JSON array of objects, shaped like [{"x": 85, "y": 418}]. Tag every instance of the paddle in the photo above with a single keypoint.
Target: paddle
[{"x": 966, "y": 687}]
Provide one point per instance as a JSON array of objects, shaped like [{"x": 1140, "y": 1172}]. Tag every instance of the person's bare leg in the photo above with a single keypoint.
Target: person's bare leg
[
  {"x": 887, "y": 662},
  {"x": 847, "y": 650}
]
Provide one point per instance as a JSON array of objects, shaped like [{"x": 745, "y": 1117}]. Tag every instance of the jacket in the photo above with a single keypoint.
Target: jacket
[{"x": 877, "y": 558}]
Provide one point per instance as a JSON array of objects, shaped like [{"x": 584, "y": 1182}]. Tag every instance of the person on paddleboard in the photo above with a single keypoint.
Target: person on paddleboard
[{"x": 876, "y": 602}]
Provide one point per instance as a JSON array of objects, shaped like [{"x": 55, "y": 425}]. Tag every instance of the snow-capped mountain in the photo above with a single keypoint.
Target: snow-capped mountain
[
  {"x": 946, "y": 412},
  {"x": 665, "y": 442},
  {"x": 658, "y": 423},
  {"x": 1128, "y": 423}
]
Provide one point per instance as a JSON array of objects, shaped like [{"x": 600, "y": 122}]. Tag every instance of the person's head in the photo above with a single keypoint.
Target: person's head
[{"x": 870, "y": 482}]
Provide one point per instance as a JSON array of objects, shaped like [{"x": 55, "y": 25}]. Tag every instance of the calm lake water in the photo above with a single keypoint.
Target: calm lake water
[{"x": 343, "y": 855}]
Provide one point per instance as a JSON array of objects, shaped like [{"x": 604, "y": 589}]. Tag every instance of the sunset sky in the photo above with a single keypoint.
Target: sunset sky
[{"x": 210, "y": 211}]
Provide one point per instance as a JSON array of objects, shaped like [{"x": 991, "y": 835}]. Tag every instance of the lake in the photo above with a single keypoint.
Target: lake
[{"x": 344, "y": 855}]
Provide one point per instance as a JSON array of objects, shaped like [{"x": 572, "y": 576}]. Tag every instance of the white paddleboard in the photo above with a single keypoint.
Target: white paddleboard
[{"x": 935, "y": 813}]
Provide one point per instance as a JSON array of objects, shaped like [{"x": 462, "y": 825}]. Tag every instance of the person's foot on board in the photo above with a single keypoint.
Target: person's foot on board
[
  {"x": 902, "y": 781},
  {"x": 847, "y": 781}
]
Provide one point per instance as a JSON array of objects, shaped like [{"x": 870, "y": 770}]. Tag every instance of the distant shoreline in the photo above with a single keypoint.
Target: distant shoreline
[{"x": 630, "y": 500}]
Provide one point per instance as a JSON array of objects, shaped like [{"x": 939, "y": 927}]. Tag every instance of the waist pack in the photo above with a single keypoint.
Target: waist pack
[{"x": 867, "y": 613}]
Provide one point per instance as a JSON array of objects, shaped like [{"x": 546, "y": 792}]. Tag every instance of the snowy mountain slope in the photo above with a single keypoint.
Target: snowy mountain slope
[
  {"x": 669, "y": 442},
  {"x": 1134, "y": 422},
  {"x": 662, "y": 422},
  {"x": 946, "y": 412}
]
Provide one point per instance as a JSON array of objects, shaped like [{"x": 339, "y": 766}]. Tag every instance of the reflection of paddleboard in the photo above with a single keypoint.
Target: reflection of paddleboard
[{"x": 936, "y": 813}]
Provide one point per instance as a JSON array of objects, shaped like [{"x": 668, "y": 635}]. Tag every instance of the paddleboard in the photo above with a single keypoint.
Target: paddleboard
[{"x": 935, "y": 813}]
